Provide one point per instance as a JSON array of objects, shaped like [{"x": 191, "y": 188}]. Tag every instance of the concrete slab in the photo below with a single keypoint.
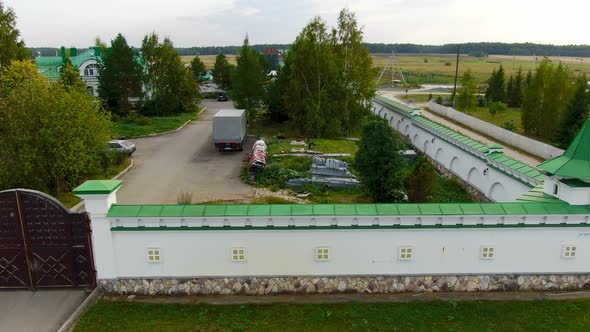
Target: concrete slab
[{"x": 39, "y": 311}]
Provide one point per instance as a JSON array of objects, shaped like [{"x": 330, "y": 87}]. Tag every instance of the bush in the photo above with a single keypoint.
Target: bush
[
  {"x": 509, "y": 125},
  {"x": 425, "y": 60},
  {"x": 448, "y": 63},
  {"x": 109, "y": 157},
  {"x": 275, "y": 176},
  {"x": 497, "y": 106}
]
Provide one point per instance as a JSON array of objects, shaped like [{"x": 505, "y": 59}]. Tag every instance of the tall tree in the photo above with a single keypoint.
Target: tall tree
[
  {"x": 545, "y": 99},
  {"x": 379, "y": 163},
  {"x": 356, "y": 87},
  {"x": 314, "y": 74},
  {"x": 575, "y": 114},
  {"x": 69, "y": 77},
  {"x": 173, "y": 89},
  {"x": 514, "y": 91},
  {"x": 496, "y": 86},
  {"x": 49, "y": 136},
  {"x": 248, "y": 79},
  {"x": 222, "y": 71},
  {"x": 12, "y": 47},
  {"x": 198, "y": 67},
  {"x": 120, "y": 77},
  {"x": 420, "y": 181},
  {"x": 276, "y": 90},
  {"x": 467, "y": 94}
]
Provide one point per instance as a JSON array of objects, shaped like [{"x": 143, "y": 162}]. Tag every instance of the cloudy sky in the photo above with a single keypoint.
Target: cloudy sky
[{"x": 226, "y": 22}]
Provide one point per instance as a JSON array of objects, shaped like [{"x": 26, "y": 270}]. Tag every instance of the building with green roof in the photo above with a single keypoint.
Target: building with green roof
[{"x": 567, "y": 177}]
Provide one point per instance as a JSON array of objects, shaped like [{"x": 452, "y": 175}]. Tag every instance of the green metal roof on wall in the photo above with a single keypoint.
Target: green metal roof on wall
[
  {"x": 48, "y": 61},
  {"x": 100, "y": 187},
  {"x": 476, "y": 145},
  {"x": 538, "y": 195},
  {"x": 575, "y": 162},
  {"x": 432, "y": 209}
]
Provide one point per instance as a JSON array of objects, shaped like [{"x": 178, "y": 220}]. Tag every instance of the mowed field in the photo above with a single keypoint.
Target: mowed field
[{"x": 440, "y": 68}]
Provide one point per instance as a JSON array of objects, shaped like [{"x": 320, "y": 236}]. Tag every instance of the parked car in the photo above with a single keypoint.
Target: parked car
[
  {"x": 122, "y": 146},
  {"x": 222, "y": 96}
]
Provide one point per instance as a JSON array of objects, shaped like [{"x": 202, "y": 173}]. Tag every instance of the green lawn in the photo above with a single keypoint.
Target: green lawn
[
  {"x": 149, "y": 125},
  {"x": 570, "y": 315},
  {"x": 323, "y": 145},
  {"x": 422, "y": 98},
  {"x": 498, "y": 119}
]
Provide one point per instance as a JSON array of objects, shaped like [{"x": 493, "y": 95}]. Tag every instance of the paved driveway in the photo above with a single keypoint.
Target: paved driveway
[
  {"x": 185, "y": 161},
  {"x": 39, "y": 311}
]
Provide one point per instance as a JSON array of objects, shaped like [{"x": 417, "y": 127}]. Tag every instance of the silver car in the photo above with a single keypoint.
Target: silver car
[{"x": 122, "y": 146}]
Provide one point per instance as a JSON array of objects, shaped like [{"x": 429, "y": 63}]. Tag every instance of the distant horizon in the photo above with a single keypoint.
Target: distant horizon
[{"x": 366, "y": 42}]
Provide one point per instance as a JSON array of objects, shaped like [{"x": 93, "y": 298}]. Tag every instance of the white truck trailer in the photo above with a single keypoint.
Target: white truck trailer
[{"x": 229, "y": 129}]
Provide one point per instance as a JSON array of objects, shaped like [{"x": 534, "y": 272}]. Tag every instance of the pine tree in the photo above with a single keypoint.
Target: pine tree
[
  {"x": 496, "y": 88},
  {"x": 509, "y": 87},
  {"x": 467, "y": 94},
  {"x": 420, "y": 181},
  {"x": 515, "y": 91},
  {"x": 120, "y": 77},
  {"x": 222, "y": 71},
  {"x": 378, "y": 162},
  {"x": 249, "y": 79},
  {"x": 198, "y": 67},
  {"x": 575, "y": 114}
]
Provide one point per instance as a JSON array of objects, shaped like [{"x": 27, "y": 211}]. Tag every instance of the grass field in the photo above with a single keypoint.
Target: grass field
[
  {"x": 153, "y": 125},
  {"x": 571, "y": 315},
  {"x": 440, "y": 68}
]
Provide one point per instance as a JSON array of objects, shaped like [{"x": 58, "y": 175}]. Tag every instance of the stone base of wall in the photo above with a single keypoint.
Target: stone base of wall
[{"x": 326, "y": 285}]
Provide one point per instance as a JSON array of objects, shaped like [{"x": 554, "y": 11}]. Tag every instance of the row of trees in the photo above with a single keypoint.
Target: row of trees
[
  {"x": 555, "y": 103},
  {"x": 510, "y": 92},
  {"x": 12, "y": 45},
  {"x": 155, "y": 82}
]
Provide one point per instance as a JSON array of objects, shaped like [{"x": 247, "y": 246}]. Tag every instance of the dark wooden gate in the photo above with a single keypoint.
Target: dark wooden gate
[{"x": 43, "y": 244}]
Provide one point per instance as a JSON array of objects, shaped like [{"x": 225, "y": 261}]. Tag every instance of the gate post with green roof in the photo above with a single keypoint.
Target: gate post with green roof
[{"x": 98, "y": 196}]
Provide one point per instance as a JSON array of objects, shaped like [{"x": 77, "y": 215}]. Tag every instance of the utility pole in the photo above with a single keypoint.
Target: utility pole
[{"x": 456, "y": 75}]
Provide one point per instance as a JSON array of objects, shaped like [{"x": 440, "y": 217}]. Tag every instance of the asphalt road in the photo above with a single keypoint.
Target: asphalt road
[
  {"x": 185, "y": 161},
  {"x": 38, "y": 311}
]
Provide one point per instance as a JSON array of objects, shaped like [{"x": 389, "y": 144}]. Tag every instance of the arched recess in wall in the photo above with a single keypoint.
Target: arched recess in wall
[
  {"x": 399, "y": 123},
  {"x": 454, "y": 165},
  {"x": 426, "y": 146},
  {"x": 497, "y": 192},
  {"x": 415, "y": 140},
  {"x": 441, "y": 157},
  {"x": 407, "y": 129},
  {"x": 379, "y": 114},
  {"x": 391, "y": 121},
  {"x": 474, "y": 177}
]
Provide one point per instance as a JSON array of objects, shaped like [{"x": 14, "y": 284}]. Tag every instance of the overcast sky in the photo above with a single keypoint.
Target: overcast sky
[{"x": 226, "y": 22}]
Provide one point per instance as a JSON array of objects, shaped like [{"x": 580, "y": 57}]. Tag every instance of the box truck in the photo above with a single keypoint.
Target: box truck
[{"x": 229, "y": 129}]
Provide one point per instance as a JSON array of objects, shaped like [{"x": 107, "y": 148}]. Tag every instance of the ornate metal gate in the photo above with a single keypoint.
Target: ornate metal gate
[{"x": 43, "y": 244}]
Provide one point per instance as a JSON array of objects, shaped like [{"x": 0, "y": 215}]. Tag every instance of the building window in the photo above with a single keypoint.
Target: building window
[
  {"x": 322, "y": 254},
  {"x": 238, "y": 254},
  {"x": 91, "y": 70},
  {"x": 153, "y": 255},
  {"x": 487, "y": 253},
  {"x": 568, "y": 251},
  {"x": 406, "y": 253}
]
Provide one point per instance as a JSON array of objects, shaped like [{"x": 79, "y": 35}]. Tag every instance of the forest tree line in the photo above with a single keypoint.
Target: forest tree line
[{"x": 466, "y": 48}]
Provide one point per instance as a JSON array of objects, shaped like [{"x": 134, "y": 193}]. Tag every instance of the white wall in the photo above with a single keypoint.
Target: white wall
[
  {"x": 524, "y": 143},
  {"x": 353, "y": 252},
  {"x": 467, "y": 165}
]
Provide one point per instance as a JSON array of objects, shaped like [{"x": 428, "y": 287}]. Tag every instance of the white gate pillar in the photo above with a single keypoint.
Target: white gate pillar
[{"x": 98, "y": 196}]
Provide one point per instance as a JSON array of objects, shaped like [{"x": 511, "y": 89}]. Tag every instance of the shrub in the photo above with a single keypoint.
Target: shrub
[
  {"x": 448, "y": 63},
  {"x": 184, "y": 198},
  {"x": 425, "y": 60},
  {"x": 509, "y": 125},
  {"x": 439, "y": 100},
  {"x": 275, "y": 176},
  {"x": 497, "y": 106}
]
